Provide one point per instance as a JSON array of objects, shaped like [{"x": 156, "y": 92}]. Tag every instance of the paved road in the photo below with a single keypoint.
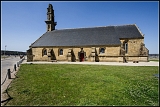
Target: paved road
[{"x": 8, "y": 63}]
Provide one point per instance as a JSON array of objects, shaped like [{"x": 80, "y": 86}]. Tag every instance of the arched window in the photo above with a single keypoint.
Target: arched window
[
  {"x": 102, "y": 50},
  {"x": 126, "y": 47},
  {"x": 44, "y": 52},
  {"x": 61, "y": 52}
]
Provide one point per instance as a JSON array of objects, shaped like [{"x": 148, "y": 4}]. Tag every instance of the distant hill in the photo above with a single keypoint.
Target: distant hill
[{"x": 12, "y": 52}]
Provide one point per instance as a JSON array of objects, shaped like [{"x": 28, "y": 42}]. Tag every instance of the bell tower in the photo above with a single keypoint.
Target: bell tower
[{"x": 50, "y": 18}]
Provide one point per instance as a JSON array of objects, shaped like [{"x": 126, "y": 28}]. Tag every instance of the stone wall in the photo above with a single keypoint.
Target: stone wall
[
  {"x": 29, "y": 55},
  {"x": 111, "y": 53},
  {"x": 108, "y": 59},
  {"x": 134, "y": 46},
  {"x": 137, "y": 58}
]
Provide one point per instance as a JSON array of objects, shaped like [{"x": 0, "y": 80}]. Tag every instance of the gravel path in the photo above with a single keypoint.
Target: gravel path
[{"x": 151, "y": 63}]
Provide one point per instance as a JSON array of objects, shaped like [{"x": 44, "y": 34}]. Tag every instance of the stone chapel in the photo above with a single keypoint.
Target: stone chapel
[{"x": 121, "y": 43}]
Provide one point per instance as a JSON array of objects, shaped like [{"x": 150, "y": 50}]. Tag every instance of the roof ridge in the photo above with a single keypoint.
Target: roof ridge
[
  {"x": 94, "y": 27},
  {"x": 81, "y": 28},
  {"x": 124, "y": 25}
]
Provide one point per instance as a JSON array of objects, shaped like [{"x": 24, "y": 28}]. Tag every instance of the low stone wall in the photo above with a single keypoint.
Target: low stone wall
[
  {"x": 137, "y": 58},
  {"x": 108, "y": 59}
]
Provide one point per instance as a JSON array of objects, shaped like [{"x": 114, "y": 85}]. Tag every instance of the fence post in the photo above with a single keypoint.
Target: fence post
[
  {"x": 15, "y": 67},
  {"x": 17, "y": 64},
  {"x": 9, "y": 74}
]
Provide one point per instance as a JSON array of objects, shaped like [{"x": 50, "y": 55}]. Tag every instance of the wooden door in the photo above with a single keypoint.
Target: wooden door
[{"x": 81, "y": 57}]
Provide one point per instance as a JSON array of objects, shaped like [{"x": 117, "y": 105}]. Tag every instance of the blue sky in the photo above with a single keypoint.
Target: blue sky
[{"x": 22, "y": 23}]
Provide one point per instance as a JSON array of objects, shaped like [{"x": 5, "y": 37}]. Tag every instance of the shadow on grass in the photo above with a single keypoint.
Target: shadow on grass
[{"x": 7, "y": 100}]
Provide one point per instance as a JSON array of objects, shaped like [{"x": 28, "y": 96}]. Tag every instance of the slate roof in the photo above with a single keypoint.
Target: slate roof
[
  {"x": 128, "y": 31},
  {"x": 108, "y": 35}
]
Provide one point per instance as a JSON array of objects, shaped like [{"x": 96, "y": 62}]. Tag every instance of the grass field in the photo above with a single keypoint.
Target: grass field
[
  {"x": 68, "y": 84},
  {"x": 155, "y": 60}
]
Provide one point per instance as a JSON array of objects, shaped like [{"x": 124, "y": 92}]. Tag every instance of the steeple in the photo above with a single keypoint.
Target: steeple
[{"x": 50, "y": 18}]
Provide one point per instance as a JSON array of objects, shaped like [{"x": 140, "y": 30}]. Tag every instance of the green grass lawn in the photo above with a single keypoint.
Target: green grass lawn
[
  {"x": 156, "y": 60},
  {"x": 69, "y": 84}
]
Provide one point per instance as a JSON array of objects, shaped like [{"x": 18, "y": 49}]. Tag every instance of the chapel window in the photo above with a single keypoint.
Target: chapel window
[
  {"x": 44, "y": 52},
  {"x": 61, "y": 52},
  {"x": 126, "y": 47},
  {"x": 102, "y": 50}
]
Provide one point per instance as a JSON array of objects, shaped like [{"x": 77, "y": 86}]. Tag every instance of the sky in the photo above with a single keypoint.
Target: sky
[{"x": 23, "y": 22}]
